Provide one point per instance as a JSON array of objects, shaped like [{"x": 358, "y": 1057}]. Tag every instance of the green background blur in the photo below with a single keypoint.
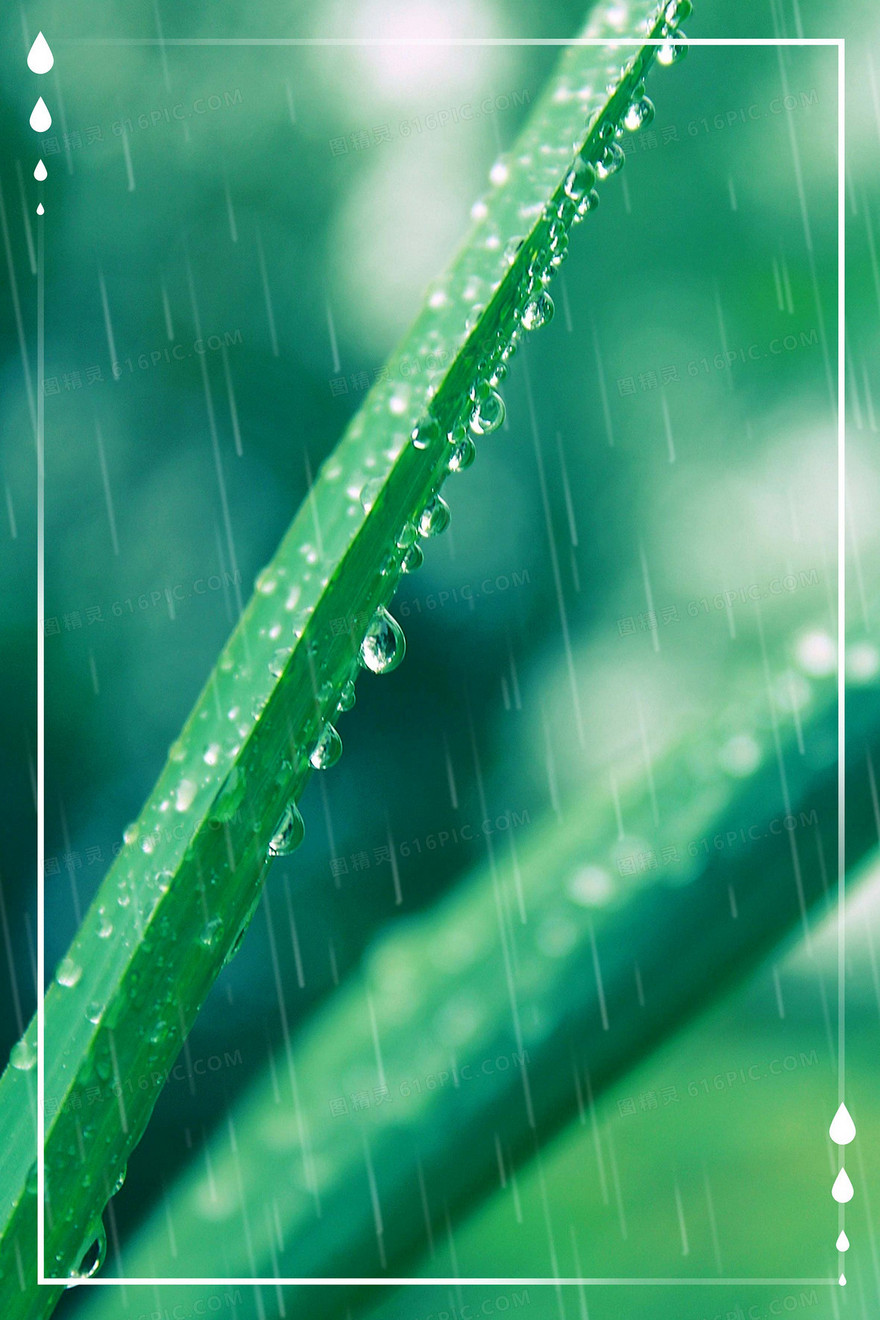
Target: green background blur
[{"x": 270, "y": 217}]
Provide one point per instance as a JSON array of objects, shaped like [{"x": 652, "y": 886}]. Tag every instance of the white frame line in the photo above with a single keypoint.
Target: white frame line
[{"x": 456, "y": 1281}]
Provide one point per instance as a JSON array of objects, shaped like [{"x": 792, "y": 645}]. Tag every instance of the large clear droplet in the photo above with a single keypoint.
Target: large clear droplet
[
  {"x": 610, "y": 161},
  {"x": 40, "y": 119},
  {"x": 289, "y": 834},
  {"x": 384, "y": 645},
  {"x": 425, "y": 432},
  {"x": 639, "y": 114},
  {"x": 842, "y": 1191},
  {"x": 538, "y": 312},
  {"x": 673, "y": 49},
  {"x": 842, "y": 1129},
  {"x": 464, "y": 452},
  {"x": 92, "y": 1260},
  {"x": 488, "y": 415},
  {"x": 580, "y": 179},
  {"x": 40, "y": 171},
  {"x": 327, "y": 750},
  {"x": 40, "y": 58},
  {"x": 435, "y": 517}
]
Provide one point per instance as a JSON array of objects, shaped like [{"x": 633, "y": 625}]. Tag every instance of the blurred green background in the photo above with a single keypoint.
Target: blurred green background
[{"x": 266, "y": 219}]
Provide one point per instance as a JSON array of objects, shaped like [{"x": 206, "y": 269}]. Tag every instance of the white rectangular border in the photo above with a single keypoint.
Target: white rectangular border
[{"x": 455, "y": 1280}]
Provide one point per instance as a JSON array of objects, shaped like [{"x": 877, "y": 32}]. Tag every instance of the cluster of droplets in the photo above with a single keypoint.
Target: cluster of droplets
[{"x": 383, "y": 646}]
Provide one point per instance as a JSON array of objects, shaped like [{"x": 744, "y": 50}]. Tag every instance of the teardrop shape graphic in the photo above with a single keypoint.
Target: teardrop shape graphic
[
  {"x": 40, "y": 209},
  {"x": 842, "y": 1243},
  {"x": 40, "y": 58},
  {"x": 842, "y": 1190},
  {"x": 842, "y": 1129},
  {"x": 40, "y": 172},
  {"x": 40, "y": 118},
  {"x": 842, "y": 1280}
]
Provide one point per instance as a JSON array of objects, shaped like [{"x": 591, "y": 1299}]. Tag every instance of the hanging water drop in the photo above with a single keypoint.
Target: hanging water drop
[
  {"x": 425, "y": 432},
  {"x": 435, "y": 517},
  {"x": 580, "y": 179},
  {"x": 40, "y": 119},
  {"x": 677, "y": 11},
  {"x": 488, "y": 415},
  {"x": 412, "y": 560},
  {"x": 842, "y": 1129},
  {"x": 538, "y": 312},
  {"x": 384, "y": 645},
  {"x": 93, "y": 1258},
  {"x": 586, "y": 204},
  {"x": 327, "y": 750},
  {"x": 289, "y": 834},
  {"x": 842, "y": 1191},
  {"x": 673, "y": 49},
  {"x": 611, "y": 161},
  {"x": 40, "y": 58},
  {"x": 463, "y": 454},
  {"x": 347, "y": 696},
  {"x": 639, "y": 114},
  {"x": 40, "y": 171},
  {"x": 842, "y": 1242}
]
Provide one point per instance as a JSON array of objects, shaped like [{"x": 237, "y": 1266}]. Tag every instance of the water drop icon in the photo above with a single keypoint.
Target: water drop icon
[
  {"x": 842, "y": 1243},
  {"x": 40, "y": 209},
  {"x": 842, "y": 1129},
  {"x": 40, "y": 58},
  {"x": 842, "y": 1280},
  {"x": 40, "y": 119},
  {"x": 40, "y": 172},
  {"x": 842, "y": 1191}
]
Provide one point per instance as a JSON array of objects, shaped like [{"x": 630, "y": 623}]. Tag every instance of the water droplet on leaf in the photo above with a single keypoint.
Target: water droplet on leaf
[
  {"x": 435, "y": 517},
  {"x": 639, "y": 114},
  {"x": 92, "y": 1260},
  {"x": 289, "y": 834},
  {"x": 23, "y": 1056},
  {"x": 488, "y": 415},
  {"x": 538, "y": 312},
  {"x": 611, "y": 161},
  {"x": 672, "y": 50},
  {"x": 68, "y": 972},
  {"x": 327, "y": 749},
  {"x": 425, "y": 432},
  {"x": 347, "y": 696},
  {"x": 384, "y": 645},
  {"x": 463, "y": 455}
]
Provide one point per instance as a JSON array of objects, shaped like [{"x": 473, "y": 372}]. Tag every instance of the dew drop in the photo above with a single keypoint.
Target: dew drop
[
  {"x": 538, "y": 312},
  {"x": 677, "y": 11},
  {"x": 611, "y": 161},
  {"x": 842, "y": 1129},
  {"x": 587, "y": 204},
  {"x": 406, "y": 536},
  {"x": 211, "y": 754},
  {"x": 289, "y": 834},
  {"x": 117, "y": 1186},
  {"x": 842, "y": 1191},
  {"x": 412, "y": 560},
  {"x": 40, "y": 119},
  {"x": 488, "y": 415},
  {"x": 370, "y": 492},
  {"x": 425, "y": 432},
  {"x": 842, "y": 1243},
  {"x": 94, "y": 1011},
  {"x": 68, "y": 972},
  {"x": 23, "y": 1056},
  {"x": 327, "y": 750},
  {"x": 511, "y": 248},
  {"x": 40, "y": 58},
  {"x": 435, "y": 517},
  {"x": 580, "y": 179},
  {"x": 347, "y": 696},
  {"x": 92, "y": 1260},
  {"x": 639, "y": 114},
  {"x": 279, "y": 660},
  {"x": 384, "y": 645},
  {"x": 183, "y": 797},
  {"x": 212, "y": 932},
  {"x": 463, "y": 455},
  {"x": 672, "y": 50}
]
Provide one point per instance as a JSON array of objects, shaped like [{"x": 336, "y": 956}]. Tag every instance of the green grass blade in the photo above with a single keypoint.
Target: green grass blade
[
  {"x": 185, "y": 884},
  {"x": 438, "y": 986}
]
